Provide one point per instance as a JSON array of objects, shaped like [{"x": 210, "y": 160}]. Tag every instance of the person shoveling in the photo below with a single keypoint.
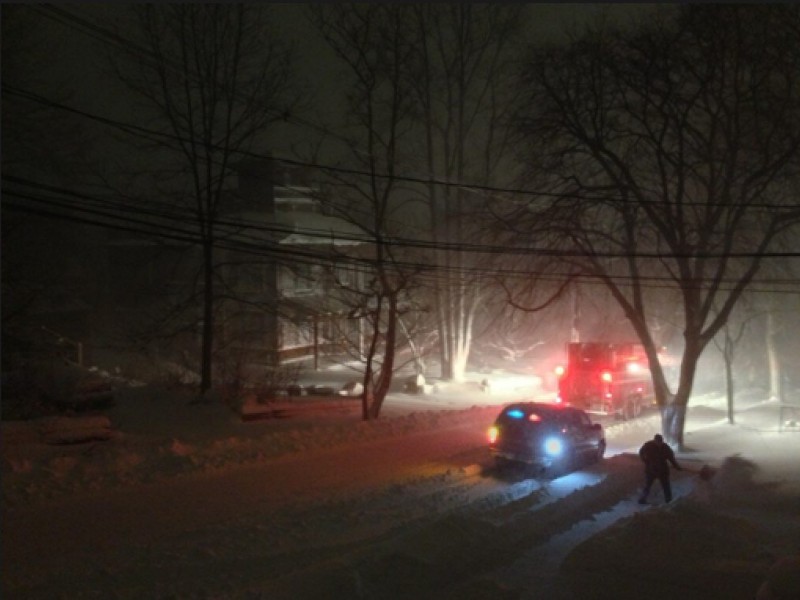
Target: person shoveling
[{"x": 657, "y": 456}]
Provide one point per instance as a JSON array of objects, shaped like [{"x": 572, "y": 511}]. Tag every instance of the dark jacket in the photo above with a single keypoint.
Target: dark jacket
[{"x": 656, "y": 456}]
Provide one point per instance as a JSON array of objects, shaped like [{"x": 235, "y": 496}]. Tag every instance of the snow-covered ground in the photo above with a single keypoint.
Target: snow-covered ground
[{"x": 175, "y": 500}]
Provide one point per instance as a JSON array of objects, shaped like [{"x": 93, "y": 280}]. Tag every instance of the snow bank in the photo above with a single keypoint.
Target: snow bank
[
  {"x": 42, "y": 459},
  {"x": 707, "y": 544}
]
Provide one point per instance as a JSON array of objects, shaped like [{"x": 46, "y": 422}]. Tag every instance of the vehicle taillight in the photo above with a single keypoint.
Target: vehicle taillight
[
  {"x": 493, "y": 433},
  {"x": 606, "y": 376}
]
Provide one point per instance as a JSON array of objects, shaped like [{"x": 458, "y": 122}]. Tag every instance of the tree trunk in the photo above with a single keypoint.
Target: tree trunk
[
  {"x": 387, "y": 366},
  {"x": 208, "y": 318},
  {"x": 459, "y": 369},
  {"x": 367, "y": 397},
  {"x": 464, "y": 339},
  {"x": 673, "y": 413},
  {"x": 727, "y": 356},
  {"x": 729, "y": 385},
  {"x": 445, "y": 345},
  {"x": 673, "y": 420},
  {"x": 366, "y": 402},
  {"x": 774, "y": 360}
]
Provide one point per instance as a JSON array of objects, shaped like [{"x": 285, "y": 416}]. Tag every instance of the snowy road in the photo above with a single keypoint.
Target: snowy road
[{"x": 414, "y": 516}]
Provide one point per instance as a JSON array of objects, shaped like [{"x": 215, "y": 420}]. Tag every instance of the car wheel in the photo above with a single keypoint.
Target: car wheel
[{"x": 564, "y": 465}]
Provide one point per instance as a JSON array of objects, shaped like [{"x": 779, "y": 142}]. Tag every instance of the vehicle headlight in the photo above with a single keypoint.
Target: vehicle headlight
[
  {"x": 493, "y": 433},
  {"x": 553, "y": 446}
]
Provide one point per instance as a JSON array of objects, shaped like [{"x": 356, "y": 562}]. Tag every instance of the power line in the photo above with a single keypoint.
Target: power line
[
  {"x": 104, "y": 34},
  {"x": 395, "y": 241},
  {"x": 248, "y": 247},
  {"x": 100, "y": 32},
  {"x": 162, "y": 137}
]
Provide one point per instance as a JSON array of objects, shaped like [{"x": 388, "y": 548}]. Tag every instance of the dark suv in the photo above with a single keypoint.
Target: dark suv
[{"x": 548, "y": 436}]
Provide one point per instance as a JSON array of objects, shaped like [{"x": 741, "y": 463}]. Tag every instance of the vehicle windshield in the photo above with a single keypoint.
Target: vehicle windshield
[
  {"x": 595, "y": 356},
  {"x": 589, "y": 356}
]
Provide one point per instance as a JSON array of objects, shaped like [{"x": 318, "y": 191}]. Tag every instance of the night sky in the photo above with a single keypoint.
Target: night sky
[{"x": 79, "y": 61}]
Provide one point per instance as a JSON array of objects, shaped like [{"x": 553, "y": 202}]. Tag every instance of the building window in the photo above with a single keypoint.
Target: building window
[
  {"x": 296, "y": 334},
  {"x": 299, "y": 279}
]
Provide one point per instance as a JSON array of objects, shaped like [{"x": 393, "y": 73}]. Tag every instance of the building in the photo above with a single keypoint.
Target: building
[
  {"x": 302, "y": 255},
  {"x": 280, "y": 259}
]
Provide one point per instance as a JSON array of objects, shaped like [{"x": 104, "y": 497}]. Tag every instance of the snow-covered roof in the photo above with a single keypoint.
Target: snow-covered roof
[{"x": 317, "y": 228}]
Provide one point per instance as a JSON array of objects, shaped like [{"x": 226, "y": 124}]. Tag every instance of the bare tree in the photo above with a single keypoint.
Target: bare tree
[
  {"x": 453, "y": 83},
  {"x": 461, "y": 79},
  {"x": 214, "y": 78},
  {"x": 373, "y": 42},
  {"x": 727, "y": 342},
  {"x": 668, "y": 152}
]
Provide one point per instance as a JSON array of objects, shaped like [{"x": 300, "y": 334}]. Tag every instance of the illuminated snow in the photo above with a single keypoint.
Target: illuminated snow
[{"x": 190, "y": 502}]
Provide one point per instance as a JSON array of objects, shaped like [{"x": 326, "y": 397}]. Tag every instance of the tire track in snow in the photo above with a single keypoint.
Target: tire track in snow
[{"x": 461, "y": 550}]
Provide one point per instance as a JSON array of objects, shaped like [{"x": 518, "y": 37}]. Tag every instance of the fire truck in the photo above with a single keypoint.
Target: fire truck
[{"x": 604, "y": 378}]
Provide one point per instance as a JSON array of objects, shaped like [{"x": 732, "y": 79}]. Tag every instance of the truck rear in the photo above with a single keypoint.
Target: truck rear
[{"x": 606, "y": 378}]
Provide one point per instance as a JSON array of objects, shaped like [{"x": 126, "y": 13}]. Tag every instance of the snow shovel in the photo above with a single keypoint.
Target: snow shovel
[{"x": 706, "y": 472}]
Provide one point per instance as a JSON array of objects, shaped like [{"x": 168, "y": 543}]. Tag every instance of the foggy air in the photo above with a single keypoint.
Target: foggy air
[{"x": 385, "y": 300}]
